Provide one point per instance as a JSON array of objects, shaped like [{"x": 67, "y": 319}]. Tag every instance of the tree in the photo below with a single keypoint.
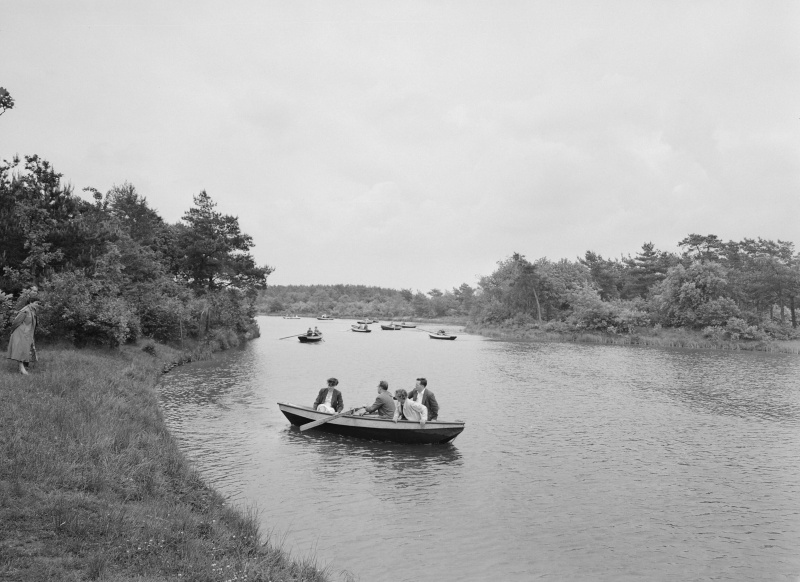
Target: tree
[
  {"x": 696, "y": 296},
  {"x": 646, "y": 269},
  {"x": 770, "y": 275},
  {"x": 606, "y": 274},
  {"x": 6, "y": 101},
  {"x": 703, "y": 248},
  {"x": 213, "y": 251}
]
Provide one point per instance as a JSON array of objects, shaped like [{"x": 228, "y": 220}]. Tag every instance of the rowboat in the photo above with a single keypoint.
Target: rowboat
[
  {"x": 367, "y": 321},
  {"x": 325, "y": 318},
  {"x": 442, "y": 335},
  {"x": 375, "y": 428},
  {"x": 291, "y": 317},
  {"x": 309, "y": 339},
  {"x": 408, "y": 325},
  {"x": 360, "y": 328},
  {"x": 392, "y": 326}
]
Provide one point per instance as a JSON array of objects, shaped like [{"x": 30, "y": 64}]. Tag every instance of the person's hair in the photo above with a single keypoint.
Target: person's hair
[
  {"x": 332, "y": 381},
  {"x": 422, "y": 381},
  {"x": 383, "y": 384},
  {"x": 400, "y": 392}
]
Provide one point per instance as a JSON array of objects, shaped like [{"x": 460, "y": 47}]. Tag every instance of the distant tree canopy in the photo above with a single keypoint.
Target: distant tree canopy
[
  {"x": 362, "y": 301},
  {"x": 720, "y": 287},
  {"x": 111, "y": 270}
]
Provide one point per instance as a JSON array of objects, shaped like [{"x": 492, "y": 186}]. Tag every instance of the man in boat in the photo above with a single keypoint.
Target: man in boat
[
  {"x": 408, "y": 409},
  {"x": 384, "y": 404},
  {"x": 316, "y": 331},
  {"x": 422, "y": 395},
  {"x": 329, "y": 399},
  {"x": 310, "y": 332}
]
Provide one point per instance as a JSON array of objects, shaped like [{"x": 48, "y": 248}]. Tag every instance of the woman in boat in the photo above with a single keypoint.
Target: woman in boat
[
  {"x": 329, "y": 399},
  {"x": 408, "y": 409}
]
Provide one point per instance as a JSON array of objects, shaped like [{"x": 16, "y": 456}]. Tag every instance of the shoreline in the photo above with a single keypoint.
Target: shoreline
[
  {"x": 94, "y": 486},
  {"x": 663, "y": 338}
]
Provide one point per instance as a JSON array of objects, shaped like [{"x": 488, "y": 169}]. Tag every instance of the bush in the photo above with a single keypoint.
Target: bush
[
  {"x": 590, "y": 312},
  {"x": 6, "y": 313},
  {"x": 81, "y": 310}
]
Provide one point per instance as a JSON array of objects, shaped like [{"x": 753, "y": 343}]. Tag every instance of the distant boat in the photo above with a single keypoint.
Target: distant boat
[
  {"x": 291, "y": 317},
  {"x": 391, "y": 326},
  {"x": 404, "y": 324},
  {"x": 325, "y": 317},
  {"x": 362, "y": 328},
  {"x": 368, "y": 320},
  {"x": 441, "y": 335}
]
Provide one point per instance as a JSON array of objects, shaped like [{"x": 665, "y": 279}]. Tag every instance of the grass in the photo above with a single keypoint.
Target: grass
[
  {"x": 673, "y": 338},
  {"x": 93, "y": 486}
]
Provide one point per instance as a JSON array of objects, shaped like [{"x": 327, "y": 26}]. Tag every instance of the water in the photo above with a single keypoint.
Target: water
[{"x": 578, "y": 462}]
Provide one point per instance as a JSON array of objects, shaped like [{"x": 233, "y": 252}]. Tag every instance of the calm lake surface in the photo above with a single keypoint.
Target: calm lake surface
[{"x": 578, "y": 462}]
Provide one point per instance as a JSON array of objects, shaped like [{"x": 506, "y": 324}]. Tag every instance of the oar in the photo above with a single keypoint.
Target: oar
[
  {"x": 309, "y": 425},
  {"x": 288, "y": 336}
]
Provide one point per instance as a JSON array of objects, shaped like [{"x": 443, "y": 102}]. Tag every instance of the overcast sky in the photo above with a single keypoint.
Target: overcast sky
[{"x": 415, "y": 144}]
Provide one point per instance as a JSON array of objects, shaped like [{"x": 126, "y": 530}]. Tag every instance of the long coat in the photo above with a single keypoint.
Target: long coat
[
  {"x": 24, "y": 326},
  {"x": 337, "y": 403}
]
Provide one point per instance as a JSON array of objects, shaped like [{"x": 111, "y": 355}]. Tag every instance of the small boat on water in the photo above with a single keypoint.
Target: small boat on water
[
  {"x": 375, "y": 428},
  {"x": 408, "y": 325},
  {"x": 325, "y": 317},
  {"x": 367, "y": 320},
  {"x": 310, "y": 339},
  {"x": 442, "y": 335},
  {"x": 391, "y": 326},
  {"x": 291, "y": 317},
  {"x": 361, "y": 327}
]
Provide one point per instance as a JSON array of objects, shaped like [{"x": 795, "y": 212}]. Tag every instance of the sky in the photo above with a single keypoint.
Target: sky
[{"x": 416, "y": 144}]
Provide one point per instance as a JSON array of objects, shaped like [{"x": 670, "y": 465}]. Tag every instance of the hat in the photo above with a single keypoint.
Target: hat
[{"x": 383, "y": 384}]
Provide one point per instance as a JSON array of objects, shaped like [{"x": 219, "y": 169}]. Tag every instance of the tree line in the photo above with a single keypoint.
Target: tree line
[
  {"x": 110, "y": 270},
  {"x": 744, "y": 289}
]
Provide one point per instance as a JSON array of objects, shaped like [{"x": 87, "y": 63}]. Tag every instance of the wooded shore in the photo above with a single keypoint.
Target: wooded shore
[
  {"x": 653, "y": 337},
  {"x": 94, "y": 487}
]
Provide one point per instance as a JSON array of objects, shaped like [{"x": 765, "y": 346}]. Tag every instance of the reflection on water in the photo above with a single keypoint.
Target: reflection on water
[{"x": 578, "y": 462}]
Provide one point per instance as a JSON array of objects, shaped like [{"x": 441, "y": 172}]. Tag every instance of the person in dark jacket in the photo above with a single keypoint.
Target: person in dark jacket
[
  {"x": 384, "y": 403},
  {"x": 329, "y": 399},
  {"x": 422, "y": 395}
]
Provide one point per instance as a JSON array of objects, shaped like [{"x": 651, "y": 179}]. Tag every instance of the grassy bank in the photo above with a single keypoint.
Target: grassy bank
[
  {"x": 672, "y": 338},
  {"x": 93, "y": 487}
]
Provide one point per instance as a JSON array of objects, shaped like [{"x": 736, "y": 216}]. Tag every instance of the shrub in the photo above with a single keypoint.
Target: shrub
[
  {"x": 80, "y": 309},
  {"x": 590, "y": 312}
]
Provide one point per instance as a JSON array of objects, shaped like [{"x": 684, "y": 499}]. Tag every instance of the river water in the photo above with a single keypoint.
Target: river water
[{"x": 578, "y": 462}]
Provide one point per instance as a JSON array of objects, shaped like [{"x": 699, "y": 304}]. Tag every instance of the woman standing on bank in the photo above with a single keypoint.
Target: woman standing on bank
[{"x": 23, "y": 327}]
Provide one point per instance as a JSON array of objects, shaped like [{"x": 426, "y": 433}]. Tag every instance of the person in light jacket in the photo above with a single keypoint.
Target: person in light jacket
[
  {"x": 21, "y": 345},
  {"x": 407, "y": 409}
]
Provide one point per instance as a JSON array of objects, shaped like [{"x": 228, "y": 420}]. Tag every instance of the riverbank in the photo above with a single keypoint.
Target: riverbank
[
  {"x": 93, "y": 486},
  {"x": 665, "y": 338}
]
